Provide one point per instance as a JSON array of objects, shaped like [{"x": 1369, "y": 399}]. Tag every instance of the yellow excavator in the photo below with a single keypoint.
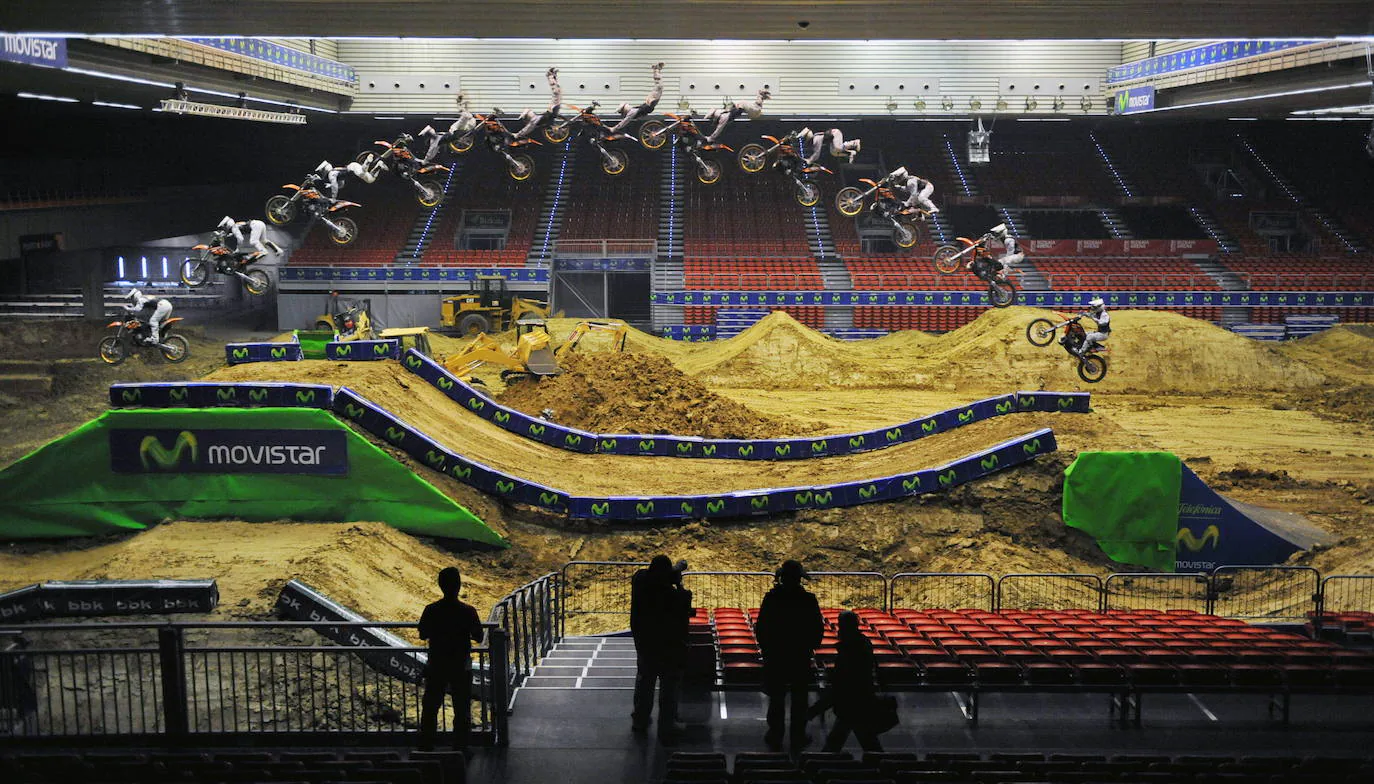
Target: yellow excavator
[
  {"x": 533, "y": 354},
  {"x": 488, "y": 307},
  {"x": 618, "y": 330}
]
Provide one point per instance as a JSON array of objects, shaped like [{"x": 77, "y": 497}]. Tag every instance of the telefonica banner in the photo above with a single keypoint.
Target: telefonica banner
[
  {"x": 29, "y": 50},
  {"x": 228, "y": 452},
  {"x": 1136, "y": 99}
]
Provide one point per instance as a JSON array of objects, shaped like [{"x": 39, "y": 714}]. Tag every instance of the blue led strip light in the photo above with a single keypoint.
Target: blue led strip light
[
  {"x": 1273, "y": 175},
  {"x": 557, "y": 197},
  {"x": 957, "y": 168},
  {"x": 424, "y": 235},
  {"x": 1121, "y": 183},
  {"x": 815, "y": 219},
  {"x": 672, "y": 194}
]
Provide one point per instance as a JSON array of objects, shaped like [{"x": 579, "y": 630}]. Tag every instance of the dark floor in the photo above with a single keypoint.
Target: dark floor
[{"x": 572, "y": 724}]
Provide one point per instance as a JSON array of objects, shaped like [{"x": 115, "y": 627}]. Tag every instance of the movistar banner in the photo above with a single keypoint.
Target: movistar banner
[
  {"x": 1136, "y": 99},
  {"x": 1212, "y": 532},
  {"x": 164, "y": 451},
  {"x": 514, "y": 274},
  {"x": 29, "y": 50}
]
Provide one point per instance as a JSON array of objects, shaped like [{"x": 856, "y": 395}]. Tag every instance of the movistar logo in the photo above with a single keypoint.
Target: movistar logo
[
  {"x": 501, "y": 416},
  {"x": 912, "y": 484},
  {"x": 548, "y": 499},
  {"x": 151, "y": 449},
  {"x": 895, "y": 434},
  {"x": 381, "y": 348},
  {"x": 746, "y": 450},
  {"x": 435, "y": 459},
  {"x": 241, "y": 353},
  {"x": 607, "y": 444},
  {"x": 394, "y": 435},
  {"x": 759, "y": 502},
  {"x": 948, "y": 477},
  {"x": 868, "y": 491},
  {"x": 1027, "y": 401},
  {"x": 179, "y": 394},
  {"x": 1031, "y": 447},
  {"x": 686, "y": 507},
  {"x": 412, "y": 361},
  {"x": 353, "y": 412},
  {"x": 1191, "y": 542},
  {"x": 1004, "y": 407},
  {"x": 818, "y": 446},
  {"x": 572, "y": 439},
  {"x": 782, "y": 450},
  {"x": 346, "y": 350},
  {"x": 445, "y": 383},
  {"x": 715, "y": 507},
  {"x": 644, "y": 508},
  {"x": 504, "y": 487},
  {"x": 536, "y": 429},
  {"x": 803, "y": 498},
  {"x": 279, "y": 353},
  {"x": 966, "y": 416},
  {"x": 462, "y": 471},
  {"x": 476, "y": 404},
  {"x": 708, "y": 449},
  {"x": 928, "y": 426},
  {"x": 257, "y": 395},
  {"x": 225, "y": 394},
  {"x": 1065, "y": 402},
  {"x": 824, "y": 497},
  {"x": 601, "y": 509},
  {"x": 646, "y": 445},
  {"x": 988, "y": 463},
  {"x": 856, "y": 441},
  {"x": 133, "y": 395},
  {"x": 1121, "y": 103},
  {"x": 684, "y": 447},
  {"x": 305, "y": 396}
]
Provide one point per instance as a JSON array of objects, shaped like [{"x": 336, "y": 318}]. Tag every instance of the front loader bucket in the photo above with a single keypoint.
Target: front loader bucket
[{"x": 542, "y": 363}]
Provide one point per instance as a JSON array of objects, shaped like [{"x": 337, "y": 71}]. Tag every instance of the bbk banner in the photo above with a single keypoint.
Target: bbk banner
[
  {"x": 1136, "y": 99},
  {"x": 198, "y": 451},
  {"x": 27, "y": 49}
]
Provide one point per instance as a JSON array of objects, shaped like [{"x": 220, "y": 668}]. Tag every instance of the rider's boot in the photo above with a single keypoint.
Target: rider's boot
[
  {"x": 274, "y": 246},
  {"x": 854, "y": 151}
]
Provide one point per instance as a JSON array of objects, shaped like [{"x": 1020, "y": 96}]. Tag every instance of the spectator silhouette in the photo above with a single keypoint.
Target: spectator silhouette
[
  {"x": 789, "y": 629},
  {"x": 660, "y": 610},
  {"x": 850, "y": 687},
  {"x": 450, "y": 626}
]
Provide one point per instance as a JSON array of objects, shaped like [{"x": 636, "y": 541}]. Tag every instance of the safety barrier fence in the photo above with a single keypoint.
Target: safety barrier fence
[
  {"x": 531, "y": 619},
  {"x": 197, "y": 682}
]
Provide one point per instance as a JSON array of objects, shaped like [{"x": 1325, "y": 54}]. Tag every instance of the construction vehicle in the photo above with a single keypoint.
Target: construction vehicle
[
  {"x": 352, "y": 320},
  {"x": 487, "y": 307},
  {"x": 533, "y": 354},
  {"x": 618, "y": 329}
]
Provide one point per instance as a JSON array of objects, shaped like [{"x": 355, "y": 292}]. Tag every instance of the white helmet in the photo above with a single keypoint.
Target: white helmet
[
  {"x": 133, "y": 294},
  {"x": 527, "y": 115},
  {"x": 1096, "y": 303},
  {"x": 324, "y": 168},
  {"x": 623, "y": 109},
  {"x": 999, "y": 231},
  {"x": 227, "y": 223}
]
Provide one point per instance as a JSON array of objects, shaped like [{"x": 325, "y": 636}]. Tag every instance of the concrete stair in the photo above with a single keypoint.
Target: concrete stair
[{"x": 551, "y": 213}]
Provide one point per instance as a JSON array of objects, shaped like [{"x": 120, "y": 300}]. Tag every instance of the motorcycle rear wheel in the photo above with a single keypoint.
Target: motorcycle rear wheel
[
  {"x": 849, "y": 201},
  {"x": 112, "y": 350},
  {"x": 752, "y": 158},
  {"x": 651, "y": 135},
  {"x": 348, "y": 231},
  {"x": 947, "y": 259},
  {"x": 1001, "y": 293},
  {"x": 431, "y": 193},
  {"x": 557, "y": 134},
  {"x": 174, "y": 348},
  {"x": 905, "y": 235},
  {"x": 709, "y": 171},
  {"x": 195, "y": 273},
  {"x": 616, "y": 164},
  {"x": 462, "y": 143},
  {"x": 522, "y": 169},
  {"x": 258, "y": 282},
  {"x": 808, "y": 194},
  {"x": 364, "y": 157},
  {"x": 1040, "y": 332},
  {"x": 1092, "y": 368},
  {"x": 280, "y": 210}
]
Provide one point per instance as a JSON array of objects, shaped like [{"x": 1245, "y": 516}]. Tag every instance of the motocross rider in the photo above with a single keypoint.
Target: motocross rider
[
  {"x": 835, "y": 139},
  {"x": 534, "y": 122},
  {"x": 723, "y": 117},
  {"x": 330, "y": 180},
  {"x": 629, "y": 115},
  {"x": 250, "y": 246},
  {"x": 1097, "y": 312},
  {"x": 138, "y": 302},
  {"x": 1012, "y": 255},
  {"x": 918, "y": 190},
  {"x": 465, "y": 122},
  {"x": 368, "y": 173}
]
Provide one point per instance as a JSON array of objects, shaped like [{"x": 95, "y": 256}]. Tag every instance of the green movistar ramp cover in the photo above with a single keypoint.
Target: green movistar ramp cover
[
  {"x": 1128, "y": 501},
  {"x": 132, "y": 469}
]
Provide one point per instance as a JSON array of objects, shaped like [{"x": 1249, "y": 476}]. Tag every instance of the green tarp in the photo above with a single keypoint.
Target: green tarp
[
  {"x": 1128, "y": 502},
  {"x": 312, "y": 342},
  {"x": 68, "y": 488}
]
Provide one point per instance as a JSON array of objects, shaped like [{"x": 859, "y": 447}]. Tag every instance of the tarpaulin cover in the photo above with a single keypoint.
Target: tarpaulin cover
[
  {"x": 69, "y": 487},
  {"x": 313, "y": 341},
  {"x": 1128, "y": 502}
]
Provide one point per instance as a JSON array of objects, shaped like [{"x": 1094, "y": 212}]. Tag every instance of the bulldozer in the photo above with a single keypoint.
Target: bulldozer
[
  {"x": 533, "y": 354},
  {"x": 487, "y": 307},
  {"x": 352, "y": 320}
]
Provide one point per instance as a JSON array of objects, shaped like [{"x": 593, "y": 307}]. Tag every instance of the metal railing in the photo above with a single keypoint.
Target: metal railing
[
  {"x": 1265, "y": 593},
  {"x": 948, "y": 590},
  {"x": 529, "y": 616},
  {"x": 606, "y": 248},
  {"x": 596, "y": 596},
  {"x": 1049, "y": 591},
  {"x": 197, "y": 680},
  {"x": 1151, "y": 591},
  {"x": 1055, "y": 281}
]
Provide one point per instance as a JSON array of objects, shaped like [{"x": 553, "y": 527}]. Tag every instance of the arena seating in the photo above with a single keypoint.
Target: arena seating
[
  {"x": 221, "y": 765},
  {"x": 1164, "y": 222},
  {"x": 743, "y": 216},
  {"x": 898, "y": 317},
  {"x": 601, "y": 206},
  {"x": 1300, "y": 272},
  {"x": 1083, "y": 273},
  {"x": 752, "y": 274},
  {"x": 899, "y": 273},
  {"x": 1050, "y": 162},
  {"x": 934, "y": 767},
  {"x": 483, "y": 184},
  {"x": 387, "y": 213},
  {"x": 1064, "y": 224}
]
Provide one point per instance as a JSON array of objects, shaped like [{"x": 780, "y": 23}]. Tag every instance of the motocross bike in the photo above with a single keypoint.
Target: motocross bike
[
  {"x": 753, "y": 158},
  {"x": 686, "y": 135},
  {"x": 282, "y": 209},
  {"x": 131, "y": 336},
  {"x": 974, "y": 254},
  {"x": 499, "y": 140},
  {"x": 1092, "y": 367},
  {"x": 850, "y": 202},
  {"x": 216, "y": 257},
  {"x": 396, "y": 156},
  {"x": 613, "y": 161}
]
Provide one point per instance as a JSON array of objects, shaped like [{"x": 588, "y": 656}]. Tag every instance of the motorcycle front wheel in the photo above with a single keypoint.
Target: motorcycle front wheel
[
  {"x": 280, "y": 210},
  {"x": 195, "y": 273},
  {"x": 904, "y": 236},
  {"x": 364, "y": 157},
  {"x": 709, "y": 171},
  {"x": 348, "y": 231},
  {"x": 174, "y": 348},
  {"x": 112, "y": 350},
  {"x": 651, "y": 135},
  {"x": 463, "y": 143},
  {"x": 1040, "y": 332},
  {"x": 808, "y": 194},
  {"x": 849, "y": 201},
  {"x": 430, "y": 193},
  {"x": 1001, "y": 293},
  {"x": 258, "y": 283},
  {"x": 1092, "y": 368},
  {"x": 614, "y": 161},
  {"x": 522, "y": 169},
  {"x": 947, "y": 259},
  {"x": 752, "y": 158},
  {"x": 557, "y": 134}
]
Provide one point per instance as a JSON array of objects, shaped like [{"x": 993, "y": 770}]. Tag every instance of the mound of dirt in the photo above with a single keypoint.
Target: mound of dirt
[
  {"x": 1345, "y": 351},
  {"x": 780, "y": 352},
  {"x": 611, "y": 392}
]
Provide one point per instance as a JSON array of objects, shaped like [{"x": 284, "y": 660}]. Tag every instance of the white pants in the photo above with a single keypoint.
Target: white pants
[
  {"x": 160, "y": 313},
  {"x": 1092, "y": 339},
  {"x": 256, "y": 230},
  {"x": 838, "y": 146},
  {"x": 922, "y": 198},
  {"x": 1010, "y": 260}
]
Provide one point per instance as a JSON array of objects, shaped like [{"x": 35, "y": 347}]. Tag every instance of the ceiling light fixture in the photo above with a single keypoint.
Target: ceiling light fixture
[{"x": 42, "y": 97}]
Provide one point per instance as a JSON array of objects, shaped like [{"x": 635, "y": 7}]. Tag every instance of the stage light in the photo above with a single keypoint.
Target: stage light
[{"x": 230, "y": 112}]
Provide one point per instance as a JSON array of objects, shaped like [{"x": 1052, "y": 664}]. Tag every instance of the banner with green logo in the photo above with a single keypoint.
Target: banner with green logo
[
  {"x": 71, "y": 487},
  {"x": 1128, "y": 502}
]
